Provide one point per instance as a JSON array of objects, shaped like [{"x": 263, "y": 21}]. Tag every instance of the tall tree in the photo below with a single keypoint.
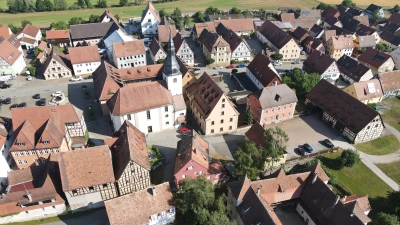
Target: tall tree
[
  {"x": 88, "y": 4},
  {"x": 186, "y": 20},
  {"x": 275, "y": 140},
  {"x": 60, "y": 25},
  {"x": 386, "y": 219},
  {"x": 309, "y": 81},
  {"x": 101, "y": 4},
  {"x": 199, "y": 17},
  {"x": 60, "y": 5},
  {"x": 177, "y": 18},
  {"x": 322, "y": 6},
  {"x": 94, "y": 18},
  {"x": 40, "y": 6},
  {"x": 212, "y": 10},
  {"x": 162, "y": 13},
  {"x": 396, "y": 8},
  {"x": 376, "y": 15},
  {"x": 248, "y": 117},
  {"x": 235, "y": 10},
  {"x": 49, "y": 5},
  {"x": 195, "y": 199},
  {"x": 348, "y": 3},
  {"x": 76, "y": 20},
  {"x": 13, "y": 28},
  {"x": 249, "y": 160},
  {"x": 81, "y": 3},
  {"x": 25, "y": 22}
]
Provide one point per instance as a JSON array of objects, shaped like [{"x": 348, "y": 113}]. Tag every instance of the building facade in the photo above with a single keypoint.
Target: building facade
[
  {"x": 262, "y": 73},
  {"x": 12, "y": 61},
  {"x": 216, "y": 48},
  {"x": 183, "y": 50},
  {"x": 57, "y": 65},
  {"x": 129, "y": 54},
  {"x": 84, "y": 60},
  {"x": 337, "y": 46},
  {"x": 29, "y": 36},
  {"x": 150, "y": 21}
]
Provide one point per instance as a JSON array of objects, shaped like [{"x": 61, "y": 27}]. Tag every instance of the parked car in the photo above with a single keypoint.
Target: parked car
[
  {"x": 328, "y": 143},
  {"x": 296, "y": 62},
  {"x": 76, "y": 78},
  {"x": 184, "y": 130},
  {"x": 218, "y": 67},
  {"x": 57, "y": 93},
  {"x": 29, "y": 78},
  {"x": 5, "y": 86},
  {"x": 14, "y": 106},
  {"x": 308, "y": 148},
  {"x": 36, "y": 96},
  {"x": 231, "y": 66},
  {"x": 302, "y": 151},
  {"x": 42, "y": 102},
  {"x": 7, "y": 101},
  {"x": 277, "y": 64},
  {"x": 241, "y": 66},
  {"x": 1, "y": 101},
  {"x": 30, "y": 51},
  {"x": 146, "y": 39},
  {"x": 102, "y": 51},
  {"x": 196, "y": 68},
  {"x": 22, "y": 105}
]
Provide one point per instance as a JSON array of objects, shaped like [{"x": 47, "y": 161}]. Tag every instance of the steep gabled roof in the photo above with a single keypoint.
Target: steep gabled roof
[
  {"x": 9, "y": 52},
  {"x": 390, "y": 37},
  {"x": 390, "y": 27},
  {"x": 150, "y": 9},
  {"x": 92, "y": 30},
  {"x": 317, "y": 62},
  {"x": 230, "y": 36},
  {"x": 107, "y": 13},
  {"x": 351, "y": 68},
  {"x": 164, "y": 31},
  {"x": 52, "y": 134},
  {"x": 236, "y": 25},
  {"x": 87, "y": 54},
  {"x": 262, "y": 69},
  {"x": 371, "y": 8},
  {"x": 364, "y": 30},
  {"x": 374, "y": 57},
  {"x": 212, "y": 40},
  {"x": 394, "y": 18},
  {"x": 155, "y": 47},
  {"x": 29, "y": 30},
  {"x": 106, "y": 82},
  {"x": 390, "y": 80},
  {"x": 299, "y": 33},
  {"x": 348, "y": 22},
  {"x": 276, "y": 36},
  {"x": 330, "y": 11},
  {"x": 58, "y": 56}
]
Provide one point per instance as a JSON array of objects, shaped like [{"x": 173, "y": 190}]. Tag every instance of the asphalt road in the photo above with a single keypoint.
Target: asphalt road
[{"x": 92, "y": 218}]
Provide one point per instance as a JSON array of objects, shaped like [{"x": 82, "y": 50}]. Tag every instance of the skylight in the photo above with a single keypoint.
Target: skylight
[{"x": 371, "y": 88}]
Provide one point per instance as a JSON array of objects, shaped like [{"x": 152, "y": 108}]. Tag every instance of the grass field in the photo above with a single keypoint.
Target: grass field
[
  {"x": 392, "y": 170},
  {"x": 358, "y": 180},
  {"x": 384, "y": 3},
  {"x": 392, "y": 117},
  {"x": 381, "y": 146},
  {"x": 45, "y": 18}
]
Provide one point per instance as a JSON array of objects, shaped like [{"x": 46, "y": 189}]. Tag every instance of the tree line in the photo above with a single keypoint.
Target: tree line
[{"x": 22, "y": 6}]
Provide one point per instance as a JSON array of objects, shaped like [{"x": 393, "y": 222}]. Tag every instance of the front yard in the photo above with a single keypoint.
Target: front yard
[
  {"x": 381, "y": 146},
  {"x": 392, "y": 116},
  {"x": 392, "y": 170},
  {"x": 358, "y": 180}
]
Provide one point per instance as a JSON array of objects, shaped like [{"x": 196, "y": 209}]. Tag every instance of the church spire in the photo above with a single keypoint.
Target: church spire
[{"x": 171, "y": 66}]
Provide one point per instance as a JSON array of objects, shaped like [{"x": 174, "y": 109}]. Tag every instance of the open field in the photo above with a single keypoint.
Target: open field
[
  {"x": 45, "y": 18},
  {"x": 381, "y": 146},
  {"x": 392, "y": 117},
  {"x": 352, "y": 178},
  {"x": 365, "y": 3},
  {"x": 392, "y": 170}
]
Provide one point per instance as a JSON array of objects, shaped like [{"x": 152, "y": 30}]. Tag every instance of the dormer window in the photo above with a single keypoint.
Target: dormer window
[
  {"x": 46, "y": 142},
  {"x": 21, "y": 144}
]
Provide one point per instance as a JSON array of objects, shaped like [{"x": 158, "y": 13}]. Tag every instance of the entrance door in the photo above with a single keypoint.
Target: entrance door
[
  {"x": 149, "y": 129},
  {"x": 277, "y": 117}
]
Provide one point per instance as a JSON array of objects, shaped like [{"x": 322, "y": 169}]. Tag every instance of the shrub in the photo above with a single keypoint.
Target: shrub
[
  {"x": 160, "y": 61},
  {"x": 333, "y": 178},
  {"x": 32, "y": 70},
  {"x": 372, "y": 105},
  {"x": 157, "y": 159},
  {"x": 248, "y": 117},
  {"x": 349, "y": 158},
  {"x": 210, "y": 61},
  {"x": 234, "y": 70},
  {"x": 277, "y": 56}
]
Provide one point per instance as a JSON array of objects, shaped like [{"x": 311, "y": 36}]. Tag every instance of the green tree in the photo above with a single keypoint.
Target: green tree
[
  {"x": 249, "y": 160},
  {"x": 396, "y": 8},
  {"x": 212, "y": 10},
  {"x": 13, "y": 28},
  {"x": 32, "y": 70},
  {"x": 348, "y": 3},
  {"x": 101, "y": 4},
  {"x": 210, "y": 61},
  {"x": 81, "y": 3},
  {"x": 37, "y": 51},
  {"x": 162, "y": 13},
  {"x": 40, "y": 6},
  {"x": 76, "y": 20},
  {"x": 392, "y": 201},
  {"x": 381, "y": 47},
  {"x": 248, "y": 117},
  {"x": 298, "y": 10},
  {"x": 25, "y": 22},
  {"x": 275, "y": 140},
  {"x": 287, "y": 80},
  {"x": 386, "y": 219},
  {"x": 177, "y": 18},
  {"x": 322, "y": 6},
  {"x": 15, "y": 6},
  {"x": 234, "y": 70},
  {"x": 376, "y": 15},
  {"x": 117, "y": 17},
  {"x": 123, "y": 2},
  {"x": 199, "y": 17},
  {"x": 276, "y": 56},
  {"x": 94, "y": 18},
  {"x": 235, "y": 10},
  {"x": 60, "y": 5},
  {"x": 88, "y": 4},
  {"x": 309, "y": 81},
  {"x": 49, "y": 5},
  {"x": 186, "y": 20},
  {"x": 372, "y": 105},
  {"x": 160, "y": 61},
  {"x": 60, "y": 25},
  {"x": 349, "y": 158},
  {"x": 196, "y": 201},
  {"x": 245, "y": 12}
]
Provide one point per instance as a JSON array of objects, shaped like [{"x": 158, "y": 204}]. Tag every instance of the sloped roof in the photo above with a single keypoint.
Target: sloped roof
[
  {"x": 299, "y": 33},
  {"x": 288, "y": 17},
  {"x": 155, "y": 47},
  {"x": 128, "y": 48},
  {"x": 315, "y": 30},
  {"x": 5, "y": 32},
  {"x": 394, "y": 18},
  {"x": 27, "y": 40},
  {"x": 276, "y": 36},
  {"x": 367, "y": 89},
  {"x": 178, "y": 41},
  {"x": 363, "y": 19},
  {"x": 364, "y": 30},
  {"x": 330, "y": 11},
  {"x": 92, "y": 30},
  {"x": 230, "y": 36},
  {"x": 50, "y": 133},
  {"x": 140, "y": 96},
  {"x": 371, "y": 8},
  {"x": 139, "y": 72},
  {"x": 129, "y": 146},
  {"x": 42, "y": 45},
  {"x": 275, "y": 96},
  {"x": 212, "y": 40},
  {"x": 9, "y": 52},
  {"x": 236, "y": 25},
  {"x": 374, "y": 57},
  {"x": 199, "y": 27},
  {"x": 86, "y": 54},
  {"x": 317, "y": 62},
  {"x": 390, "y": 37},
  {"x": 256, "y": 134},
  {"x": 137, "y": 207},
  {"x": 58, "y": 56},
  {"x": 108, "y": 14},
  {"x": 354, "y": 114},
  {"x": 390, "y": 27},
  {"x": 29, "y": 30},
  {"x": 342, "y": 42},
  {"x": 367, "y": 41},
  {"x": 86, "y": 167},
  {"x": 57, "y": 34},
  {"x": 105, "y": 84},
  {"x": 262, "y": 69},
  {"x": 164, "y": 31},
  {"x": 351, "y": 68},
  {"x": 150, "y": 8},
  {"x": 390, "y": 80},
  {"x": 348, "y": 22}
]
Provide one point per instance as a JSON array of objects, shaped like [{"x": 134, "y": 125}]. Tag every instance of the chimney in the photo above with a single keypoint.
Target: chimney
[
  {"x": 344, "y": 198},
  {"x": 28, "y": 194},
  {"x": 336, "y": 201},
  {"x": 153, "y": 191},
  {"x": 194, "y": 150},
  {"x": 219, "y": 18},
  {"x": 314, "y": 178},
  {"x": 148, "y": 69},
  {"x": 258, "y": 191}
]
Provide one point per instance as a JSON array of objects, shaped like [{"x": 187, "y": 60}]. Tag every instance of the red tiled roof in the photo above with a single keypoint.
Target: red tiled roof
[{"x": 57, "y": 34}]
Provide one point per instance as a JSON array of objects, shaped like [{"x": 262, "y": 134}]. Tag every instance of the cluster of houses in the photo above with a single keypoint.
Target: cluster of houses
[{"x": 49, "y": 145}]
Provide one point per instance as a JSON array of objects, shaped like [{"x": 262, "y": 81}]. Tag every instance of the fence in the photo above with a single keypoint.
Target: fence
[{"x": 312, "y": 155}]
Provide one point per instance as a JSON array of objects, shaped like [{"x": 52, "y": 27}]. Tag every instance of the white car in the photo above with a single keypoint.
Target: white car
[
  {"x": 29, "y": 78},
  {"x": 101, "y": 51},
  {"x": 218, "y": 67},
  {"x": 277, "y": 64},
  {"x": 57, "y": 94},
  {"x": 77, "y": 78}
]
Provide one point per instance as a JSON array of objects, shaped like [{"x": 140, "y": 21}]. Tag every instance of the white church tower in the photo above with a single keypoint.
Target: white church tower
[{"x": 171, "y": 73}]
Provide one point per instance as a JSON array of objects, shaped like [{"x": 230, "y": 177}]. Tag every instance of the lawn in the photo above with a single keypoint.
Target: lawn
[
  {"x": 392, "y": 117},
  {"x": 358, "y": 179},
  {"x": 392, "y": 170},
  {"x": 187, "y": 6},
  {"x": 381, "y": 146}
]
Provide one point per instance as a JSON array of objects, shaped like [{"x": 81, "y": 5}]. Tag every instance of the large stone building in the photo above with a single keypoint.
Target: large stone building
[
  {"x": 39, "y": 131},
  {"x": 211, "y": 107},
  {"x": 353, "y": 119}
]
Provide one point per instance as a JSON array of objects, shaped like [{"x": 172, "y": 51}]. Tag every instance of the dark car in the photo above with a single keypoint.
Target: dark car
[
  {"x": 1, "y": 102},
  {"x": 22, "y": 105},
  {"x": 302, "y": 151},
  {"x": 14, "y": 106},
  {"x": 241, "y": 66},
  {"x": 30, "y": 51},
  {"x": 36, "y": 96},
  {"x": 5, "y": 86},
  {"x": 328, "y": 143},
  {"x": 308, "y": 148},
  {"x": 7, "y": 101},
  {"x": 42, "y": 102}
]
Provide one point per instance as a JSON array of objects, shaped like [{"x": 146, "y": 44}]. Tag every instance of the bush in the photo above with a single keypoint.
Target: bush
[
  {"x": 372, "y": 105},
  {"x": 210, "y": 61},
  {"x": 234, "y": 70},
  {"x": 160, "y": 61},
  {"x": 248, "y": 117},
  {"x": 349, "y": 158},
  {"x": 157, "y": 159},
  {"x": 277, "y": 56},
  {"x": 32, "y": 70},
  {"x": 333, "y": 178}
]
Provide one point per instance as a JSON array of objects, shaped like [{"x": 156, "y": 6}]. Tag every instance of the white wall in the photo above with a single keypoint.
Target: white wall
[
  {"x": 16, "y": 68},
  {"x": 34, "y": 214},
  {"x": 241, "y": 53},
  {"x": 85, "y": 68},
  {"x": 304, "y": 214},
  {"x": 174, "y": 83},
  {"x": 90, "y": 200},
  {"x": 19, "y": 64},
  {"x": 149, "y": 25},
  {"x": 254, "y": 79},
  {"x": 186, "y": 54},
  {"x": 130, "y": 61},
  {"x": 396, "y": 57},
  {"x": 178, "y": 114}
]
